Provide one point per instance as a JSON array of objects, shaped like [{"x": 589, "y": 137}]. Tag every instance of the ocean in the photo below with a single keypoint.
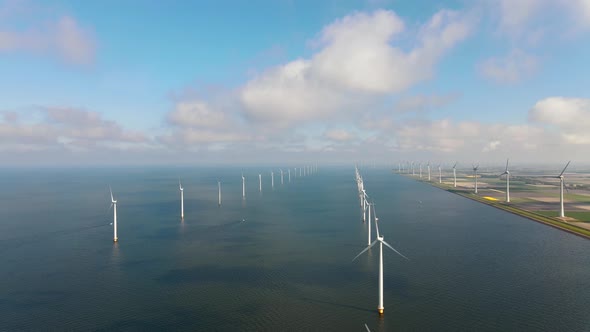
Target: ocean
[{"x": 280, "y": 260}]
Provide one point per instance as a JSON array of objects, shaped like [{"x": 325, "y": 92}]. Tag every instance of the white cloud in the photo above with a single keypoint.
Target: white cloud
[
  {"x": 570, "y": 116},
  {"x": 512, "y": 68},
  {"x": 63, "y": 36},
  {"x": 67, "y": 128},
  {"x": 356, "y": 64},
  {"x": 339, "y": 135},
  {"x": 491, "y": 146}
]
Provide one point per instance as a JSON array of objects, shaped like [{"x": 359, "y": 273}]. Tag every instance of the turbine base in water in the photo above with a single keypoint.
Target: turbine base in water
[
  {"x": 115, "y": 239},
  {"x": 380, "y": 310}
]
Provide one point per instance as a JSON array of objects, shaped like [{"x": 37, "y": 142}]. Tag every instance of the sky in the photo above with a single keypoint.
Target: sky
[{"x": 283, "y": 82}]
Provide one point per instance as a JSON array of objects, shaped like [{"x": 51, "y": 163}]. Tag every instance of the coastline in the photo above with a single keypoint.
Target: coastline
[{"x": 549, "y": 221}]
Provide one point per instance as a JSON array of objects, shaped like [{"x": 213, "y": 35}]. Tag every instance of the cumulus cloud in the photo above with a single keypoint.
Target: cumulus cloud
[
  {"x": 356, "y": 63},
  {"x": 204, "y": 123},
  {"x": 68, "y": 128},
  {"x": 515, "y": 66},
  {"x": 570, "y": 116},
  {"x": 62, "y": 36}
]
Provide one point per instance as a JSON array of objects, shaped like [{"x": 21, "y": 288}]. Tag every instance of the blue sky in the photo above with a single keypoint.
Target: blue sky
[{"x": 285, "y": 81}]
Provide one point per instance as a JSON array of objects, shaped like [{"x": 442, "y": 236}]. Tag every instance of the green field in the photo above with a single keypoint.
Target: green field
[{"x": 583, "y": 216}]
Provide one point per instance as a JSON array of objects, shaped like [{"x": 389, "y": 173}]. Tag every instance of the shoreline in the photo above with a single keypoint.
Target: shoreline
[{"x": 549, "y": 221}]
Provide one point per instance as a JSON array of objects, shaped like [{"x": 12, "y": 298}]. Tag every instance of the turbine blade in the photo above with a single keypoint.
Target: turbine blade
[
  {"x": 455, "y": 164},
  {"x": 367, "y": 248},
  {"x": 506, "y": 166},
  {"x": 368, "y": 330},
  {"x": 111, "y": 191},
  {"x": 392, "y": 248},
  {"x": 568, "y": 163}
]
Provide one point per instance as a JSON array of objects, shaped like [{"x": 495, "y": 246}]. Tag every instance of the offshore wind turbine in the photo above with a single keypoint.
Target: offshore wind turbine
[
  {"x": 259, "y": 182},
  {"x": 289, "y": 170},
  {"x": 439, "y": 174},
  {"x": 413, "y": 172},
  {"x": 281, "y": 176},
  {"x": 114, "y": 206},
  {"x": 455, "y": 175},
  {"x": 420, "y": 170},
  {"x": 272, "y": 179},
  {"x": 218, "y": 192},
  {"x": 507, "y": 173},
  {"x": 369, "y": 226},
  {"x": 382, "y": 242},
  {"x": 243, "y": 186},
  {"x": 475, "y": 167},
  {"x": 181, "y": 200},
  {"x": 561, "y": 184},
  {"x": 428, "y": 170}
]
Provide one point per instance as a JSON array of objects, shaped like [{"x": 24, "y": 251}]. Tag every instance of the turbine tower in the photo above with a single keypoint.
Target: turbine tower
[
  {"x": 260, "y": 182},
  {"x": 243, "y": 186},
  {"x": 439, "y": 174},
  {"x": 420, "y": 170},
  {"x": 507, "y": 173},
  {"x": 475, "y": 167},
  {"x": 561, "y": 184},
  {"x": 369, "y": 226},
  {"x": 114, "y": 206},
  {"x": 181, "y": 200},
  {"x": 219, "y": 193},
  {"x": 281, "y": 177},
  {"x": 272, "y": 179},
  {"x": 289, "y": 171},
  {"x": 455, "y": 175},
  {"x": 382, "y": 242},
  {"x": 428, "y": 165}
]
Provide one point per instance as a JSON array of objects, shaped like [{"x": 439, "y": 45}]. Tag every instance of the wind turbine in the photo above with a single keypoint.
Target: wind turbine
[
  {"x": 260, "y": 182},
  {"x": 428, "y": 170},
  {"x": 439, "y": 174},
  {"x": 243, "y": 186},
  {"x": 272, "y": 179},
  {"x": 281, "y": 177},
  {"x": 369, "y": 226},
  {"x": 455, "y": 175},
  {"x": 413, "y": 173},
  {"x": 114, "y": 206},
  {"x": 507, "y": 173},
  {"x": 561, "y": 183},
  {"x": 289, "y": 170},
  {"x": 475, "y": 167},
  {"x": 382, "y": 242},
  {"x": 364, "y": 198},
  {"x": 219, "y": 192},
  {"x": 420, "y": 170},
  {"x": 181, "y": 200}
]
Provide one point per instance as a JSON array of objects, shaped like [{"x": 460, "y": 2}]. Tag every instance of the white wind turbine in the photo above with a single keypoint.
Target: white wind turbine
[
  {"x": 420, "y": 170},
  {"x": 114, "y": 206},
  {"x": 369, "y": 225},
  {"x": 272, "y": 179},
  {"x": 561, "y": 184},
  {"x": 243, "y": 186},
  {"x": 455, "y": 175},
  {"x": 439, "y": 174},
  {"x": 289, "y": 170},
  {"x": 181, "y": 200},
  {"x": 281, "y": 176},
  {"x": 428, "y": 165},
  {"x": 413, "y": 172},
  {"x": 475, "y": 167},
  {"x": 218, "y": 192},
  {"x": 507, "y": 173},
  {"x": 382, "y": 242},
  {"x": 260, "y": 182}
]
